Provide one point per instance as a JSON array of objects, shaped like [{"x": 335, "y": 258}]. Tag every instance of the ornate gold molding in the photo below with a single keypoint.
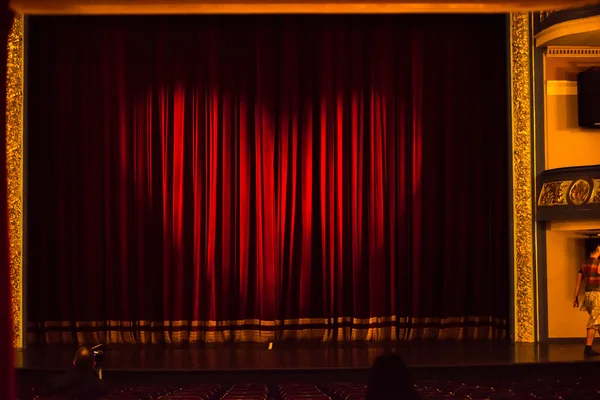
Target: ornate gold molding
[
  {"x": 520, "y": 64},
  {"x": 546, "y": 14},
  {"x": 14, "y": 162},
  {"x": 554, "y": 193},
  {"x": 567, "y": 28},
  {"x": 595, "y": 197},
  {"x": 572, "y": 52},
  {"x": 570, "y": 192},
  {"x": 579, "y": 192}
]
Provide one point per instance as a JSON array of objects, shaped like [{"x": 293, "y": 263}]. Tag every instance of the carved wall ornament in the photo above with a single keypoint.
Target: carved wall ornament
[
  {"x": 579, "y": 192},
  {"x": 546, "y": 14},
  {"x": 572, "y": 52},
  {"x": 554, "y": 193},
  {"x": 595, "y": 197},
  {"x": 573, "y": 192},
  {"x": 522, "y": 172},
  {"x": 14, "y": 165}
]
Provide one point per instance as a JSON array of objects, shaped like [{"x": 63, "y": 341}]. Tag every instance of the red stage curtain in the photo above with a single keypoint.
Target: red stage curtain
[
  {"x": 262, "y": 178},
  {"x": 7, "y": 388}
]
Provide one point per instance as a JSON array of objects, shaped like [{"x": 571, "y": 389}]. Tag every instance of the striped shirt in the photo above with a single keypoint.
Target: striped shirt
[{"x": 590, "y": 269}]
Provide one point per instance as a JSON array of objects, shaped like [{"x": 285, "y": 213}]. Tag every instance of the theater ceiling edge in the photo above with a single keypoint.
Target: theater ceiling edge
[
  {"x": 523, "y": 310},
  {"x": 286, "y": 6}
]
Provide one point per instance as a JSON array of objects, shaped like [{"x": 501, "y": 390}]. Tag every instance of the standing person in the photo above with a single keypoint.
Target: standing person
[{"x": 590, "y": 273}]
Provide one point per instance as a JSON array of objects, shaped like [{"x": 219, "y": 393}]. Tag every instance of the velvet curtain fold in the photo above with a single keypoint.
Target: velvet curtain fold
[{"x": 265, "y": 178}]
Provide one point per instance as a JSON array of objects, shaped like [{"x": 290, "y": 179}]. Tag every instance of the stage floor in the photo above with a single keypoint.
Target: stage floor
[{"x": 306, "y": 356}]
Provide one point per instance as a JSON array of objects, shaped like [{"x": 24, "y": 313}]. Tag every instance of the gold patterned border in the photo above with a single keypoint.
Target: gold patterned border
[
  {"x": 521, "y": 101},
  {"x": 14, "y": 161}
]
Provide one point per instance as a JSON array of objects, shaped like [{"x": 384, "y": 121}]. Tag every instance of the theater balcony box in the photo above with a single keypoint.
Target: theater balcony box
[{"x": 569, "y": 194}]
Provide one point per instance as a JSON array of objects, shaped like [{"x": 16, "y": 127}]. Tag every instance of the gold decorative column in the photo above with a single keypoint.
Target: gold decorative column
[
  {"x": 522, "y": 172},
  {"x": 14, "y": 162}
]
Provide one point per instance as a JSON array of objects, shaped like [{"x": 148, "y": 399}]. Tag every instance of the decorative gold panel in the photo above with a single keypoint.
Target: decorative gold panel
[
  {"x": 14, "y": 161},
  {"x": 520, "y": 65},
  {"x": 554, "y": 193},
  {"x": 575, "y": 192},
  {"x": 546, "y": 14},
  {"x": 595, "y": 197},
  {"x": 579, "y": 192}
]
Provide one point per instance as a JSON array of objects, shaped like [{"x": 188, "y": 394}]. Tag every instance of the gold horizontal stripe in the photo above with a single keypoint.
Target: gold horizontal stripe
[
  {"x": 258, "y": 322},
  {"x": 254, "y": 330}
]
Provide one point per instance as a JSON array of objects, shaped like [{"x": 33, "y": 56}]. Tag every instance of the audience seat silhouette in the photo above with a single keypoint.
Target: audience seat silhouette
[{"x": 580, "y": 389}]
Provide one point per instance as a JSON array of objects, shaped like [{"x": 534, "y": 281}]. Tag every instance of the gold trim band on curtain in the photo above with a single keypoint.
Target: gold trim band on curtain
[
  {"x": 254, "y": 330},
  {"x": 522, "y": 169},
  {"x": 14, "y": 164}
]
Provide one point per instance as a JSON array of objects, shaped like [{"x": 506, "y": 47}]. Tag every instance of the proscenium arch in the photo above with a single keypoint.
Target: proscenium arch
[{"x": 522, "y": 272}]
